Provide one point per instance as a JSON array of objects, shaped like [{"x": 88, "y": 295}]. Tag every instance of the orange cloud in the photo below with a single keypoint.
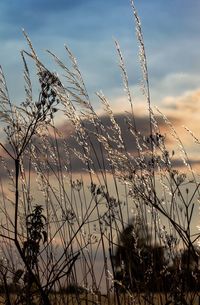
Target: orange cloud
[{"x": 187, "y": 103}]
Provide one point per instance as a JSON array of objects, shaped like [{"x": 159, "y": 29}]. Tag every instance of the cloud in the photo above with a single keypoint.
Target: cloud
[
  {"x": 174, "y": 84},
  {"x": 81, "y": 23},
  {"x": 88, "y": 27},
  {"x": 189, "y": 102},
  {"x": 50, "y": 24},
  {"x": 180, "y": 110},
  {"x": 185, "y": 107},
  {"x": 69, "y": 140}
]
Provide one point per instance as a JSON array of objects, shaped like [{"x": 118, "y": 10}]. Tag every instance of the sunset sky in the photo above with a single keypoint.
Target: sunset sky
[
  {"x": 172, "y": 37},
  {"x": 171, "y": 32},
  {"x": 89, "y": 28}
]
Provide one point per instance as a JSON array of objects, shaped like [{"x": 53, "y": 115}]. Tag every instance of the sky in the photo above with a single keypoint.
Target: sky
[{"x": 171, "y": 32}]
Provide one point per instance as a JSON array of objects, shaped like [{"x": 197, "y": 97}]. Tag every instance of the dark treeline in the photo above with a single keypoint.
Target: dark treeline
[{"x": 140, "y": 265}]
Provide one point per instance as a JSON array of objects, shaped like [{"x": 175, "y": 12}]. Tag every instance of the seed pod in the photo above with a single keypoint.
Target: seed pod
[
  {"x": 43, "y": 101},
  {"x": 38, "y": 105},
  {"x": 54, "y": 110}
]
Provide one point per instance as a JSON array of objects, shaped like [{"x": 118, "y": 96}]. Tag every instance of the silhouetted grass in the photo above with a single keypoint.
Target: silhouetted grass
[{"x": 91, "y": 218}]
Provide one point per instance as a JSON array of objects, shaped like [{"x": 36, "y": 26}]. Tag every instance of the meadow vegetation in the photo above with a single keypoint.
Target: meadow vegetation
[{"x": 103, "y": 221}]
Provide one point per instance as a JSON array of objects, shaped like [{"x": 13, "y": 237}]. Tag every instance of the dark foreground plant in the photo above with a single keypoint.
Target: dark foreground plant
[{"x": 119, "y": 232}]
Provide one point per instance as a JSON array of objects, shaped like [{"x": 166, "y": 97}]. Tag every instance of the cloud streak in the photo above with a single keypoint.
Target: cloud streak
[{"x": 69, "y": 143}]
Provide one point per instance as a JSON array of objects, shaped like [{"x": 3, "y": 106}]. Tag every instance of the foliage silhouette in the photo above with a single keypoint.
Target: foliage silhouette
[
  {"x": 138, "y": 264},
  {"x": 69, "y": 240}
]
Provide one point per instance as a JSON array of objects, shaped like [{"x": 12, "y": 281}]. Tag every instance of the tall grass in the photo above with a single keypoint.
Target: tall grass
[{"x": 119, "y": 229}]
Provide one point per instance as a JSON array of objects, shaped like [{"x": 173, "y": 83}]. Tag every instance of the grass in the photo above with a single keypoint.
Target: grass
[
  {"x": 90, "y": 212},
  {"x": 61, "y": 299}
]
